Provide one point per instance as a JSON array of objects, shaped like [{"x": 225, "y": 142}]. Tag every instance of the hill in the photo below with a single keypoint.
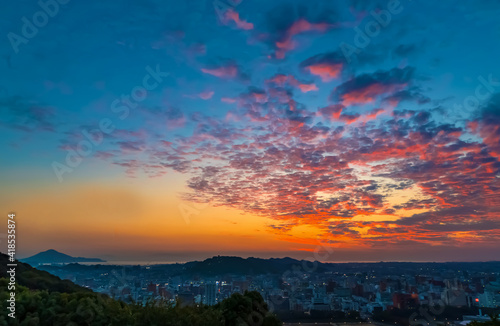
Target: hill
[
  {"x": 35, "y": 279},
  {"x": 52, "y": 256},
  {"x": 220, "y": 265}
]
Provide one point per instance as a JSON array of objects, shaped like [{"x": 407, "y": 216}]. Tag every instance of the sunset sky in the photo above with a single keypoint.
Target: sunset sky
[{"x": 179, "y": 130}]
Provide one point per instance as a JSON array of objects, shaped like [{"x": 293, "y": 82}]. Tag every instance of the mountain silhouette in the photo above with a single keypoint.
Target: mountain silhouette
[{"x": 52, "y": 256}]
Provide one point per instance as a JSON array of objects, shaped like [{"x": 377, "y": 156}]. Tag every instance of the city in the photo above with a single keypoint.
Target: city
[{"x": 298, "y": 289}]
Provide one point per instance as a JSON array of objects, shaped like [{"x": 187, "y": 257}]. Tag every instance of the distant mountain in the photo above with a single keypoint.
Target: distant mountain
[{"x": 52, "y": 256}]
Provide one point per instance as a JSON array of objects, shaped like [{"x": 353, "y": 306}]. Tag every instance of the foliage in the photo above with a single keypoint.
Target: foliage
[{"x": 494, "y": 321}]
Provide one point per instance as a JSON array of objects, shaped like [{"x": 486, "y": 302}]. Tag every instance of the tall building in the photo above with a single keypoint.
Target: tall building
[
  {"x": 152, "y": 288},
  {"x": 211, "y": 293}
]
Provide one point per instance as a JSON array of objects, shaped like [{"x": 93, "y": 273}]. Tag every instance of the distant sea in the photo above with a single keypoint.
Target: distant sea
[{"x": 133, "y": 262}]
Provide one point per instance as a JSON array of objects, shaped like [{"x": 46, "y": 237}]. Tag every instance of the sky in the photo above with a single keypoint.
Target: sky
[{"x": 178, "y": 130}]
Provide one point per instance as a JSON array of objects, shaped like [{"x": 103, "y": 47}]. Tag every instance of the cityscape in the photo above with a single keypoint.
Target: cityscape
[{"x": 302, "y": 291}]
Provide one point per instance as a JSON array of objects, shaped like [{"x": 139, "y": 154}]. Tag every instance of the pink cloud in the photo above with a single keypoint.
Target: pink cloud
[
  {"x": 235, "y": 17},
  {"x": 281, "y": 80},
  {"x": 326, "y": 71},
  {"x": 104, "y": 155},
  {"x": 308, "y": 87},
  {"x": 374, "y": 113},
  {"x": 300, "y": 26},
  {"x": 177, "y": 123},
  {"x": 229, "y": 71},
  {"x": 331, "y": 112},
  {"x": 349, "y": 118},
  {"x": 206, "y": 95},
  {"x": 368, "y": 94},
  {"x": 228, "y": 100}
]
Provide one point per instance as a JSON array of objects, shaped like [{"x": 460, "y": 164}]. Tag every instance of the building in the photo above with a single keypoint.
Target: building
[
  {"x": 455, "y": 298},
  {"x": 211, "y": 293},
  {"x": 487, "y": 300},
  {"x": 152, "y": 288},
  {"x": 405, "y": 301}
]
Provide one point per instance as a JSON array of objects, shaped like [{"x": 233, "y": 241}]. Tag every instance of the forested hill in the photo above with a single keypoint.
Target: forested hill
[
  {"x": 35, "y": 279},
  {"x": 44, "y": 299}
]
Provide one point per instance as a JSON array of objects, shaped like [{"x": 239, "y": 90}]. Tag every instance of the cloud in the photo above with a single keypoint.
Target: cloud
[
  {"x": 229, "y": 70},
  {"x": 228, "y": 100},
  {"x": 331, "y": 112},
  {"x": 411, "y": 94},
  {"x": 278, "y": 161},
  {"x": 25, "y": 115},
  {"x": 286, "y": 21},
  {"x": 359, "y": 175},
  {"x": 327, "y": 66},
  {"x": 404, "y": 50},
  {"x": 282, "y": 80},
  {"x": 286, "y": 43},
  {"x": 487, "y": 125},
  {"x": 206, "y": 95},
  {"x": 174, "y": 117},
  {"x": 366, "y": 88},
  {"x": 232, "y": 15}
]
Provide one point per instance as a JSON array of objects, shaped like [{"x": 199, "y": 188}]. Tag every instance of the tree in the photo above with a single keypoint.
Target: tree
[{"x": 493, "y": 322}]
